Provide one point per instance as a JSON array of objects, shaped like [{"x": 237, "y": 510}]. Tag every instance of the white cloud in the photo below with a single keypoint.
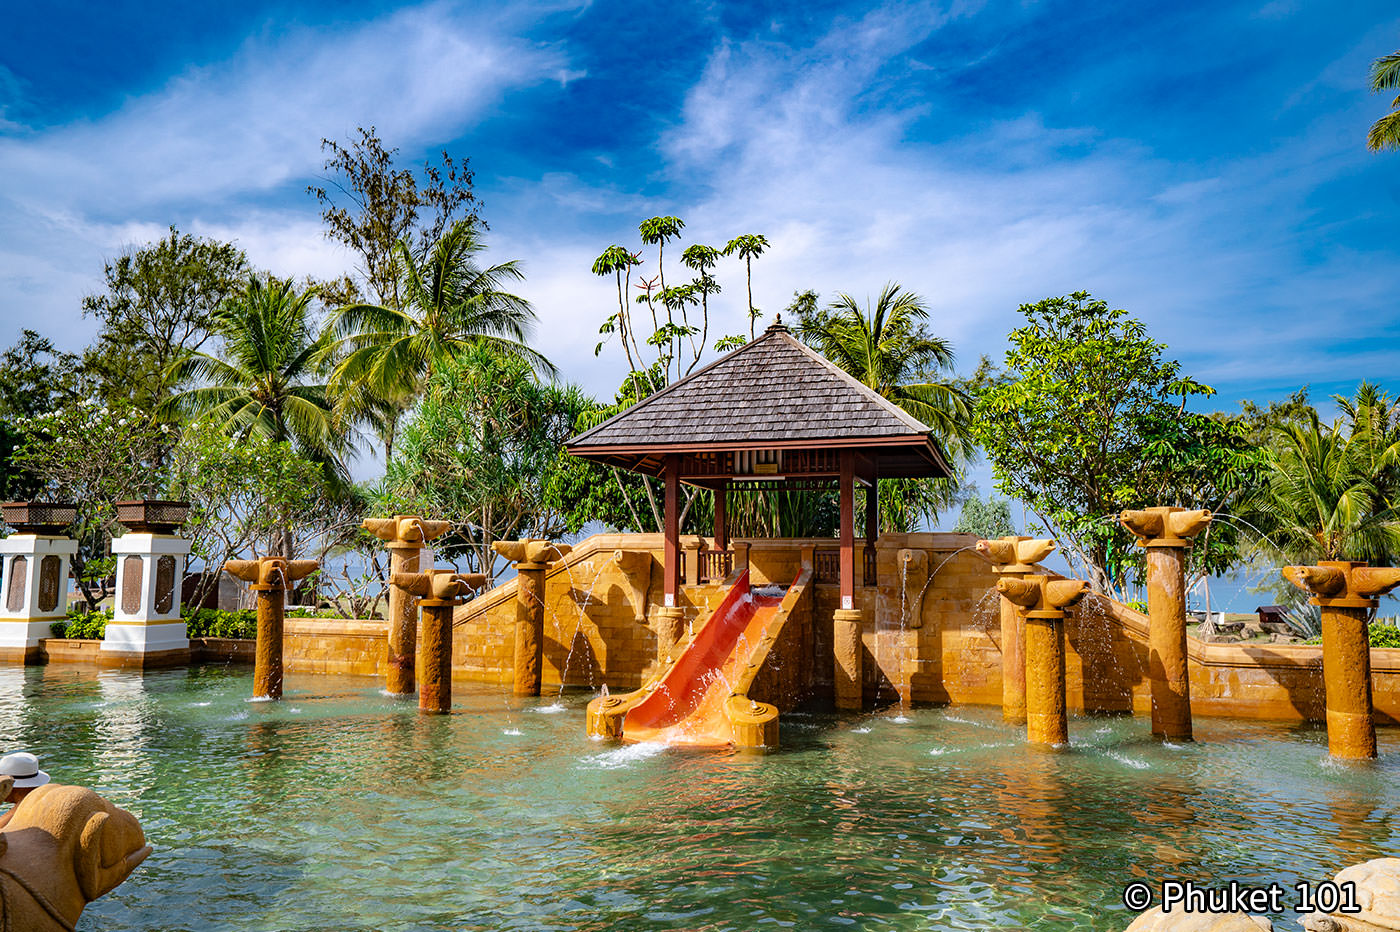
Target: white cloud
[{"x": 198, "y": 150}]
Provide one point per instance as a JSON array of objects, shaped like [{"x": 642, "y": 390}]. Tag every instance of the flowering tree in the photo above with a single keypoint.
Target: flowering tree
[{"x": 94, "y": 455}]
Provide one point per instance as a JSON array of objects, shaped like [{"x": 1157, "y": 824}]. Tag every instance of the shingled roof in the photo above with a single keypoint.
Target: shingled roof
[{"x": 772, "y": 393}]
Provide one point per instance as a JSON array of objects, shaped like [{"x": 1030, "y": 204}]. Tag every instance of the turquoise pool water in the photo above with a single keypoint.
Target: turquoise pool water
[{"x": 340, "y": 809}]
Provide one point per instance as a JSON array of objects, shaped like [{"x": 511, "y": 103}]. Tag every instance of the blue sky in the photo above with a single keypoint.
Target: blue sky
[{"x": 1201, "y": 164}]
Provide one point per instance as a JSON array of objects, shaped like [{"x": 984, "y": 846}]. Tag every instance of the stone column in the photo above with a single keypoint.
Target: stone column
[
  {"x": 532, "y": 559},
  {"x": 1045, "y": 717},
  {"x": 1346, "y": 672},
  {"x": 405, "y": 536},
  {"x": 33, "y": 590},
  {"x": 670, "y": 628},
  {"x": 529, "y": 628},
  {"x": 1167, "y": 534},
  {"x": 1013, "y": 558},
  {"x": 846, "y": 645},
  {"x": 1042, "y": 602},
  {"x": 270, "y": 578},
  {"x": 1346, "y": 593},
  {"x": 267, "y": 658},
  {"x": 438, "y": 592},
  {"x": 146, "y": 629}
]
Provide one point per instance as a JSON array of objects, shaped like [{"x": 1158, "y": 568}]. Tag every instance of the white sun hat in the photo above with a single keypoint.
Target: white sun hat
[{"x": 24, "y": 767}]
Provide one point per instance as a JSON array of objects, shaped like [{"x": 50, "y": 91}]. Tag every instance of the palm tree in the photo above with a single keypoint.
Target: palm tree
[
  {"x": 266, "y": 379},
  {"x": 1322, "y": 501},
  {"x": 449, "y": 303},
  {"x": 889, "y": 349},
  {"x": 1385, "y": 76},
  {"x": 748, "y": 247}
]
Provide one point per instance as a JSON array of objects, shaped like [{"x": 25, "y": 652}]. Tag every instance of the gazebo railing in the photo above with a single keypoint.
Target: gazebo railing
[
  {"x": 827, "y": 566},
  {"x": 715, "y": 565}
]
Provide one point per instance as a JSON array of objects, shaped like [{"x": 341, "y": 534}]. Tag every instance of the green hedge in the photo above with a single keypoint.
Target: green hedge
[
  {"x": 81, "y": 624},
  {"x": 217, "y": 623}
]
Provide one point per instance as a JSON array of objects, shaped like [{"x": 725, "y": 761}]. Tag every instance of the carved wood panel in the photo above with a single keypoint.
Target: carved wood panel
[
  {"x": 131, "y": 585},
  {"x": 165, "y": 583},
  {"x": 14, "y": 595},
  {"x": 49, "y": 582}
]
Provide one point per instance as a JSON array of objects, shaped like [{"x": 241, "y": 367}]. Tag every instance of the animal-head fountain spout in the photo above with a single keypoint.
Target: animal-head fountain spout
[
  {"x": 405, "y": 530},
  {"x": 532, "y": 551},
  {"x": 1165, "y": 526},
  {"x": 437, "y": 587},
  {"x": 636, "y": 567},
  {"x": 1343, "y": 584},
  {"x": 913, "y": 580},
  {"x": 1015, "y": 554}
]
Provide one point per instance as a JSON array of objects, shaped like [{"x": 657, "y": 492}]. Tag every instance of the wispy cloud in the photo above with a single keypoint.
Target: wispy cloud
[{"x": 216, "y": 146}]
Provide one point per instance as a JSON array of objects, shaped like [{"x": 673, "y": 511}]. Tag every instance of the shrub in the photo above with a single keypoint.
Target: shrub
[
  {"x": 81, "y": 623},
  {"x": 217, "y": 623},
  {"x": 1381, "y": 634}
]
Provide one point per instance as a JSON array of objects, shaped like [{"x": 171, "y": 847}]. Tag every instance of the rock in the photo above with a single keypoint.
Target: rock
[
  {"x": 1221, "y": 639},
  {"x": 1284, "y": 639},
  {"x": 1377, "y": 893},
  {"x": 1154, "y": 920}
]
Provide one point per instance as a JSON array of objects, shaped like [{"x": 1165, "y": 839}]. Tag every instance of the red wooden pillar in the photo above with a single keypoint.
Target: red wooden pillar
[
  {"x": 848, "y": 532},
  {"x": 721, "y": 532},
  {"x": 671, "y": 562}
]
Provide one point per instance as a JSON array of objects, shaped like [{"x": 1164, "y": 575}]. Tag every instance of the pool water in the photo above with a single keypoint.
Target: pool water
[{"x": 341, "y": 809}]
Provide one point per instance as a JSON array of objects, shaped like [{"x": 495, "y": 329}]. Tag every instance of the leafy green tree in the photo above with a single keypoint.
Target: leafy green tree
[
  {"x": 1385, "y": 76},
  {"x": 267, "y": 378},
  {"x": 1080, "y": 423},
  {"x": 35, "y": 379},
  {"x": 94, "y": 456},
  {"x": 370, "y": 206},
  {"x": 988, "y": 518},
  {"x": 478, "y": 451},
  {"x": 159, "y": 305},
  {"x": 249, "y": 495},
  {"x": 748, "y": 246}
]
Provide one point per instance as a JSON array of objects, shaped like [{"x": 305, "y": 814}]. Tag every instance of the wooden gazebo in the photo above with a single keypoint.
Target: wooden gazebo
[{"x": 772, "y": 413}]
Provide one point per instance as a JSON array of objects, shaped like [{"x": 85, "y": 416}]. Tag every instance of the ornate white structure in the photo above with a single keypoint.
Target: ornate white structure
[
  {"x": 33, "y": 591},
  {"x": 146, "y": 626}
]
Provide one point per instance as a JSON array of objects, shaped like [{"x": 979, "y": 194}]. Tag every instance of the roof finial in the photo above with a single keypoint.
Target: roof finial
[{"x": 777, "y": 324}]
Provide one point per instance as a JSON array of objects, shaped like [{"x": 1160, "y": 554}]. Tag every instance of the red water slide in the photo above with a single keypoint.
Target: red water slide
[{"x": 687, "y": 705}]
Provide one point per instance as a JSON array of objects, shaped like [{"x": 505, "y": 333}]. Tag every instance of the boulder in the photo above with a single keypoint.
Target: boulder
[
  {"x": 1154, "y": 920},
  {"x": 1377, "y": 893}
]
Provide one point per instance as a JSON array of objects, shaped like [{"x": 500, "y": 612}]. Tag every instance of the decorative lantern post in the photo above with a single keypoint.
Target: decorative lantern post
[
  {"x": 33, "y": 576},
  {"x": 1167, "y": 534},
  {"x": 1346, "y": 593},
  {"x": 531, "y": 559},
  {"x": 1013, "y": 558},
  {"x": 405, "y": 537},
  {"x": 438, "y": 592},
  {"x": 146, "y": 629},
  {"x": 1042, "y": 602},
  {"x": 270, "y": 578}
]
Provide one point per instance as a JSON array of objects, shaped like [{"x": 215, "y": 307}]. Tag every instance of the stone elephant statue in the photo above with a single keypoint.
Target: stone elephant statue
[{"x": 64, "y": 847}]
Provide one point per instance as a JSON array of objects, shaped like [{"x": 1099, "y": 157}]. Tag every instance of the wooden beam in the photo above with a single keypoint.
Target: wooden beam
[
  {"x": 671, "y": 555},
  {"x": 848, "y": 521}
]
